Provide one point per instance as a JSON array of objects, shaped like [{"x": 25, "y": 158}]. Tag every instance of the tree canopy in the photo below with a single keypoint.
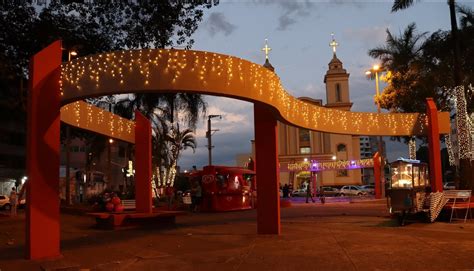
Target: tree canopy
[
  {"x": 419, "y": 66},
  {"x": 91, "y": 27}
]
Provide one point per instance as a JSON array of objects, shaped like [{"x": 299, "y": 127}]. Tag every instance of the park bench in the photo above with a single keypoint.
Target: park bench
[
  {"x": 128, "y": 204},
  {"x": 458, "y": 199},
  {"x": 107, "y": 220}
]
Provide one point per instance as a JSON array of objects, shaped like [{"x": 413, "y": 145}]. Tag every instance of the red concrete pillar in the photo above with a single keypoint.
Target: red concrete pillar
[
  {"x": 377, "y": 180},
  {"x": 434, "y": 146},
  {"x": 266, "y": 162},
  {"x": 143, "y": 196},
  {"x": 42, "y": 163}
]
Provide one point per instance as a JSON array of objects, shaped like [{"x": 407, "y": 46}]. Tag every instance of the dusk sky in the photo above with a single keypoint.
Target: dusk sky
[{"x": 299, "y": 33}]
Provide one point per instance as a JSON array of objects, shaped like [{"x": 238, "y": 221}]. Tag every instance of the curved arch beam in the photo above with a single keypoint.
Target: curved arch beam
[
  {"x": 89, "y": 117},
  {"x": 159, "y": 70}
]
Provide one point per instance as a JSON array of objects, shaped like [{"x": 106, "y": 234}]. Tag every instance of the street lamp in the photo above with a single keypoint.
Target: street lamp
[
  {"x": 70, "y": 54},
  {"x": 375, "y": 71},
  {"x": 209, "y": 135}
]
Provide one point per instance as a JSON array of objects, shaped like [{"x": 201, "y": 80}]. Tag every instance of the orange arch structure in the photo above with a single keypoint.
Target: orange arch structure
[{"x": 56, "y": 90}]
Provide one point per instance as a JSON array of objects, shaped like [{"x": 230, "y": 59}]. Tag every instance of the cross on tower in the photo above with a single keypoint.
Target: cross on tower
[
  {"x": 333, "y": 44},
  {"x": 266, "y": 49}
]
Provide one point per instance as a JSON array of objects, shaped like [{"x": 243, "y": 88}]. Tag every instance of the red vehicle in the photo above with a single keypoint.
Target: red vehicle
[{"x": 226, "y": 188}]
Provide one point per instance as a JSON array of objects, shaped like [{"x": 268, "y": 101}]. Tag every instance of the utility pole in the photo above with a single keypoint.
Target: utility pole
[{"x": 209, "y": 135}]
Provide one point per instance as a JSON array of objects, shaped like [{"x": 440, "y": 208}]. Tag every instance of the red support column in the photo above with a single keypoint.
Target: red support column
[
  {"x": 42, "y": 194},
  {"x": 143, "y": 196},
  {"x": 266, "y": 162},
  {"x": 377, "y": 180},
  {"x": 434, "y": 146}
]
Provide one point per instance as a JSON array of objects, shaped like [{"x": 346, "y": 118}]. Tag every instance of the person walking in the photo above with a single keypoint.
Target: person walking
[
  {"x": 286, "y": 190},
  {"x": 169, "y": 196},
  {"x": 308, "y": 193},
  {"x": 198, "y": 197},
  {"x": 13, "y": 201}
]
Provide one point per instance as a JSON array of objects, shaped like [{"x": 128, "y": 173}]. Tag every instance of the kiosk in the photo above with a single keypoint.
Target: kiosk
[
  {"x": 408, "y": 186},
  {"x": 226, "y": 188}
]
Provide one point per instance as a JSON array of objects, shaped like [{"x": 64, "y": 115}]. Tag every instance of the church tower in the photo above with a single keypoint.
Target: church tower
[
  {"x": 344, "y": 147},
  {"x": 337, "y": 83}
]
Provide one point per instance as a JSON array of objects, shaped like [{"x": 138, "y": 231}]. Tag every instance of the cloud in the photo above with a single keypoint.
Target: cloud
[
  {"x": 217, "y": 23},
  {"x": 370, "y": 37},
  {"x": 233, "y": 138},
  {"x": 291, "y": 11}
]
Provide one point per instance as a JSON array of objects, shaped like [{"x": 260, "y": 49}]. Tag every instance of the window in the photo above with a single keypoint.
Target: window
[
  {"x": 341, "y": 148},
  {"x": 121, "y": 151},
  {"x": 304, "y": 135},
  {"x": 342, "y": 173},
  {"x": 305, "y": 150},
  {"x": 338, "y": 93}
]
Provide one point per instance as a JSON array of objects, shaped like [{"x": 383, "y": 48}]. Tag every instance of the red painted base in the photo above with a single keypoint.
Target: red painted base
[
  {"x": 266, "y": 152},
  {"x": 42, "y": 212}
]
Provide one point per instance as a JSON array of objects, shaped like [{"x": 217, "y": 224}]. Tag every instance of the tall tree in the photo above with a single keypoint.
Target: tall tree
[
  {"x": 90, "y": 27},
  {"x": 403, "y": 4}
]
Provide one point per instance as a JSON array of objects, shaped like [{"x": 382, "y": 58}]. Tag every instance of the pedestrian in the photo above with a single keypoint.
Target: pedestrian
[
  {"x": 286, "y": 190},
  {"x": 321, "y": 196},
  {"x": 308, "y": 193},
  {"x": 198, "y": 197},
  {"x": 169, "y": 196},
  {"x": 13, "y": 201}
]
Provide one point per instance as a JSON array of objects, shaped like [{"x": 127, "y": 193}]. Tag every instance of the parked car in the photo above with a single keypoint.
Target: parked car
[
  {"x": 351, "y": 190},
  {"x": 330, "y": 191},
  {"x": 369, "y": 188},
  {"x": 298, "y": 193},
  {"x": 4, "y": 202},
  {"x": 449, "y": 186}
]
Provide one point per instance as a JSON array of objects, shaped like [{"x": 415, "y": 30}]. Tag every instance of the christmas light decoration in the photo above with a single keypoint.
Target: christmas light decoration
[
  {"x": 462, "y": 124},
  {"x": 412, "y": 148},
  {"x": 336, "y": 165},
  {"x": 159, "y": 70},
  {"x": 449, "y": 146}
]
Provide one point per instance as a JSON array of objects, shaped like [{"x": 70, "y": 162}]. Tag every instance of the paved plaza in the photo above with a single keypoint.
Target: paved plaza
[{"x": 334, "y": 236}]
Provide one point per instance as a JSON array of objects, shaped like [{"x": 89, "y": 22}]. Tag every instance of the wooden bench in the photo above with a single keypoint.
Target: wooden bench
[
  {"x": 458, "y": 199},
  {"x": 113, "y": 220},
  {"x": 129, "y": 204}
]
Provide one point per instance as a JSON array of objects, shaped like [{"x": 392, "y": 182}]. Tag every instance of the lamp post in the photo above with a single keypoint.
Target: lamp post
[
  {"x": 70, "y": 54},
  {"x": 209, "y": 135},
  {"x": 375, "y": 71}
]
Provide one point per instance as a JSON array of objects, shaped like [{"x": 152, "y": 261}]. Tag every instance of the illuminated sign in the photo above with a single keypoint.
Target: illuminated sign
[{"x": 334, "y": 165}]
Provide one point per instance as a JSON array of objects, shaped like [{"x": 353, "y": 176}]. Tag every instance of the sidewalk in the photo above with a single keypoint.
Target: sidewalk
[{"x": 355, "y": 236}]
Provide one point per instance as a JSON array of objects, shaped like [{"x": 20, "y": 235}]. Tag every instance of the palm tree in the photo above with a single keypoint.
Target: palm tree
[
  {"x": 401, "y": 52},
  {"x": 403, "y": 4},
  {"x": 169, "y": 148},
  {"x": 166, "y": 112},
  {"x": 465, "y": 164}
]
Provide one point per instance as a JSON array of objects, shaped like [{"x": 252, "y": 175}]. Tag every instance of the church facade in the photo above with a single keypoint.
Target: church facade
[{"x": 297, "y": 145}]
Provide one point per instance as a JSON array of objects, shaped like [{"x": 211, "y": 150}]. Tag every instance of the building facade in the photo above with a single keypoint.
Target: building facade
[{"x": 297, "y": 145}]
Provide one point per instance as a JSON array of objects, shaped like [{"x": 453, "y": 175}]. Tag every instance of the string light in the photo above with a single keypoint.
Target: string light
[
  {"x": 449, "y": 146},
  {"x": 216, "y": 74},
  {"x": 412, "y": 149},
  {"x": 87, "y": 116},
  {"x": 462, "y": 123},
  {"x": 335, "y": 165}
]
